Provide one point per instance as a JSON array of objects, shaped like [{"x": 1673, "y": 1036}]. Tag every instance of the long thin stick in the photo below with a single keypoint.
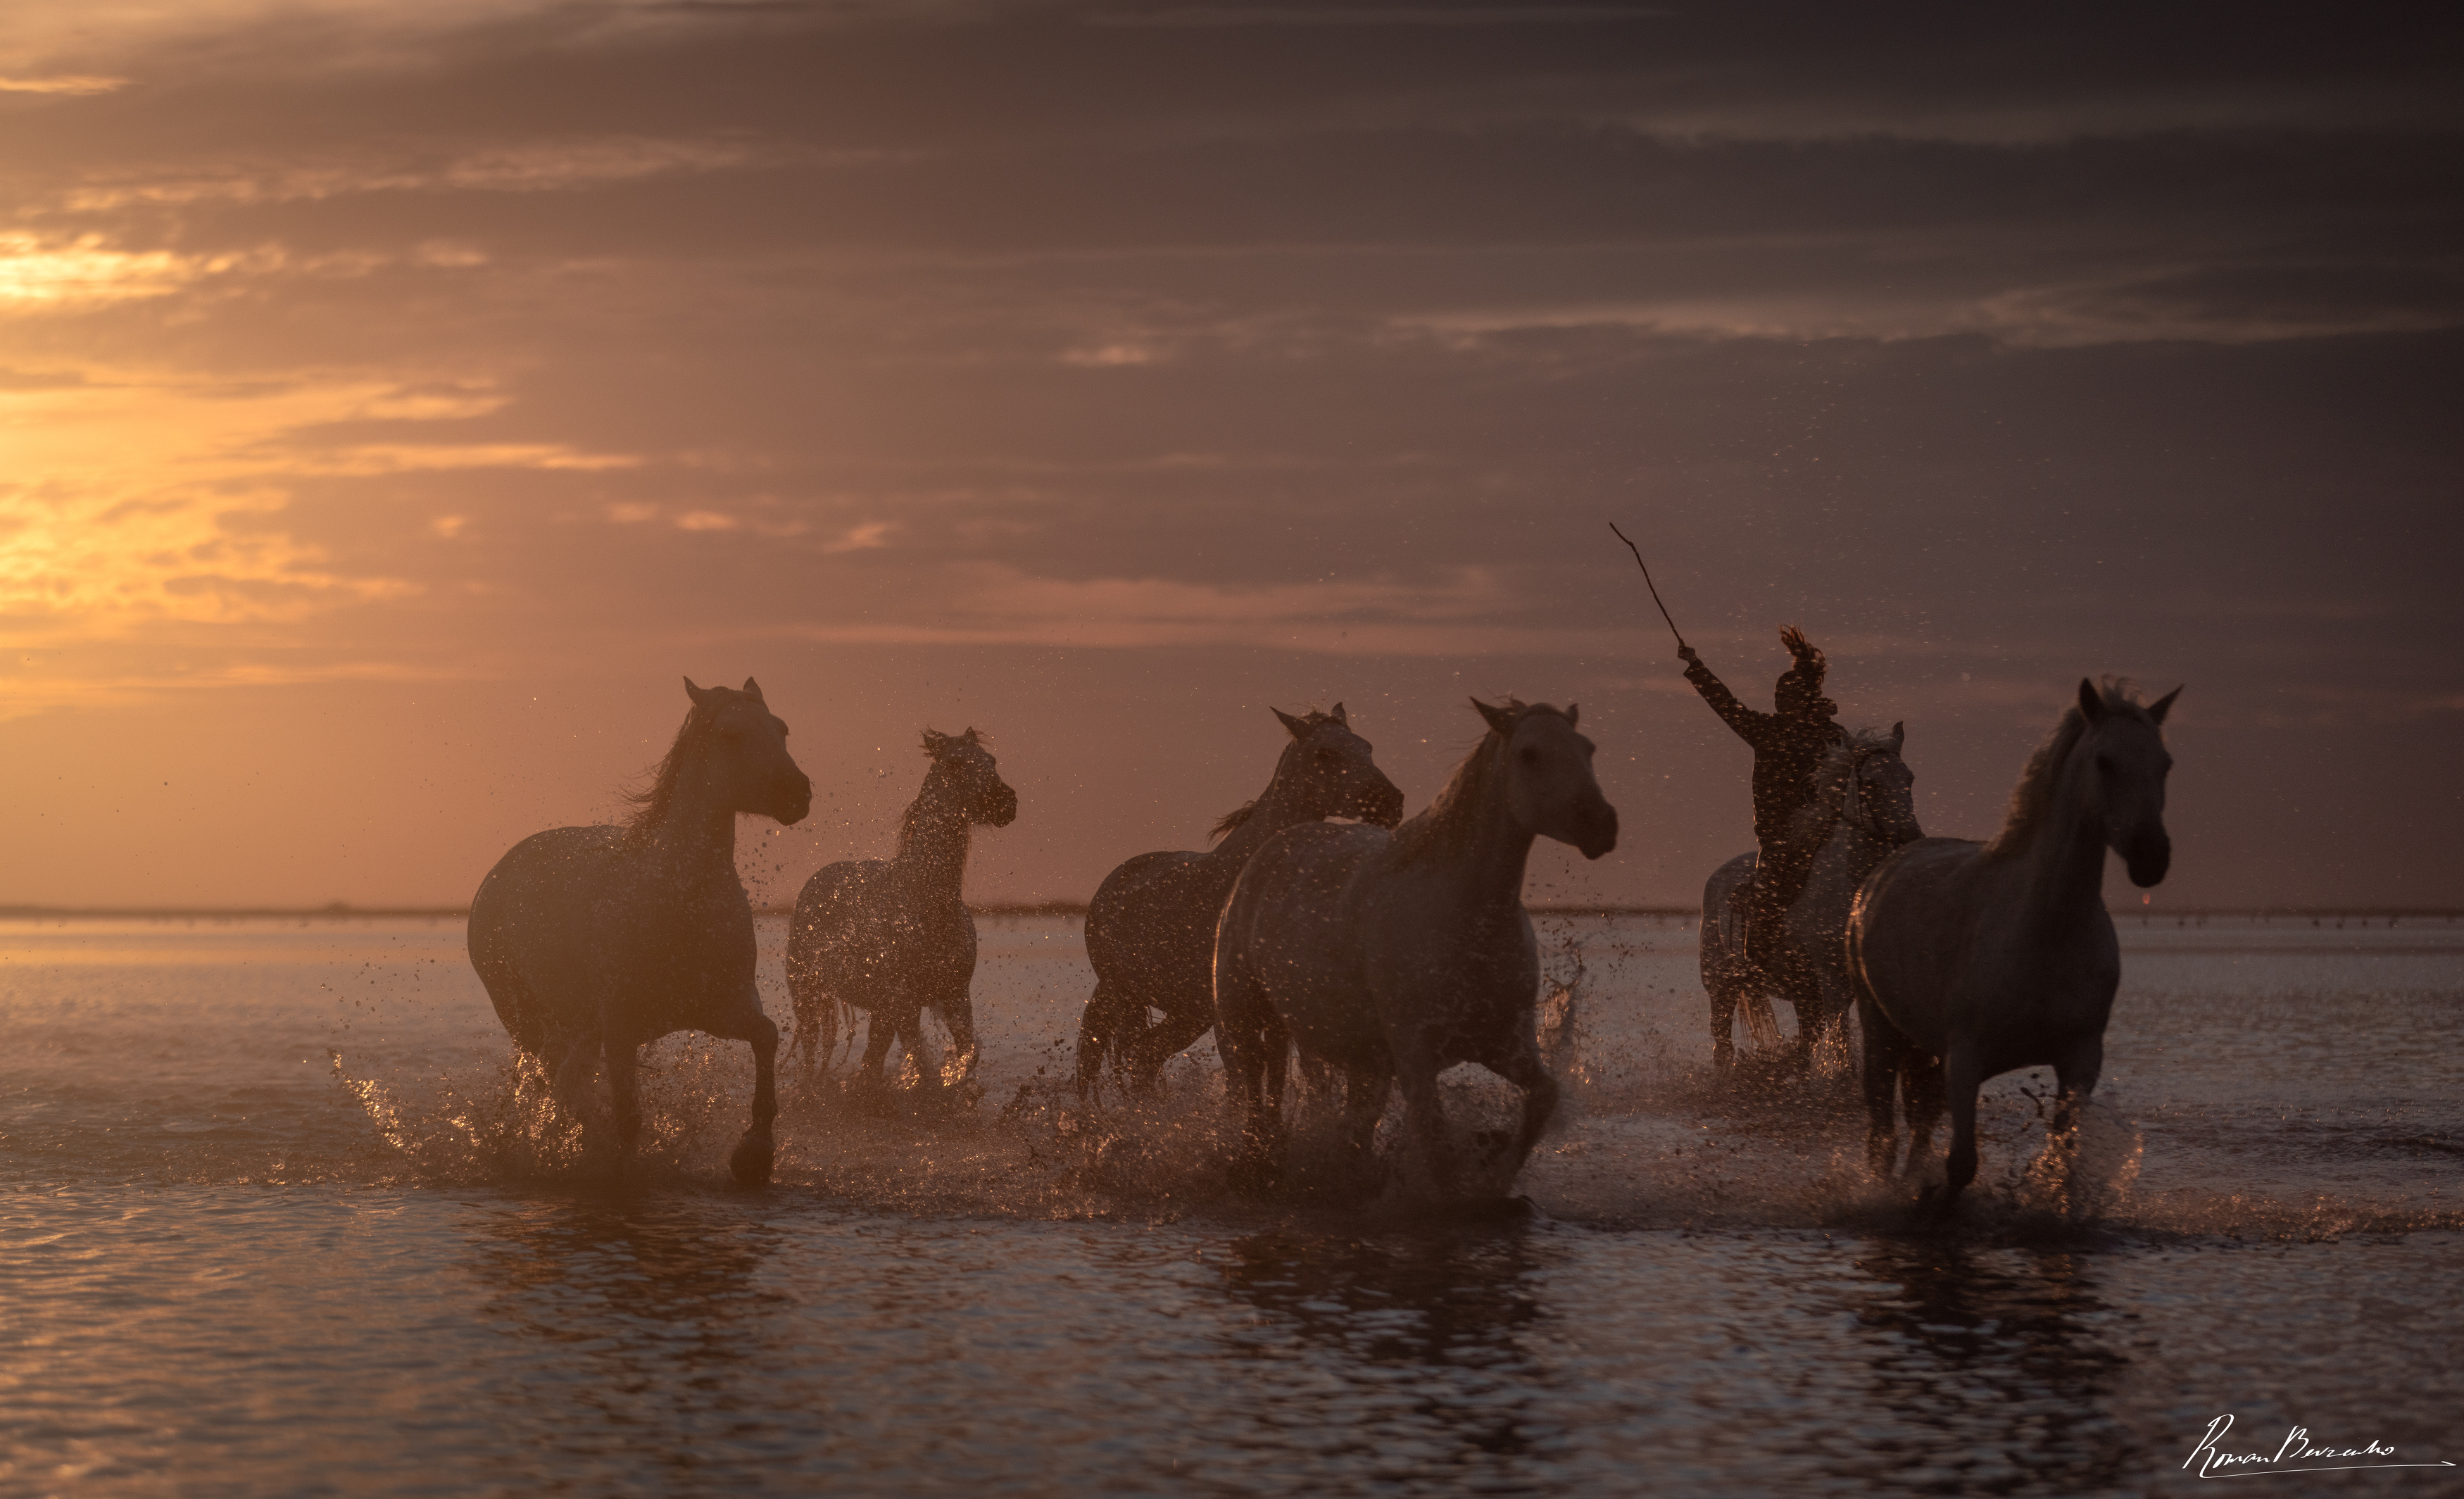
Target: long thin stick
[{"x": 1647, "y": 582}]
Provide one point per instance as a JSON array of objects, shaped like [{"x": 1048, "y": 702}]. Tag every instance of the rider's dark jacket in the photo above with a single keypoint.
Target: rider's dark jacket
[{"x": 1787, "y": 747}]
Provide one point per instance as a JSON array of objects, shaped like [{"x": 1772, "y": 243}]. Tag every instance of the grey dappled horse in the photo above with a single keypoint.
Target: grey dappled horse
[
  {"x": 1863, "y": 807},
  {"x": 1389, "y": 957},
  {"x": 1151, "y": 927},
  {"x": 892, "y": 936},
  {"x": 1974, "y": 959},
  {"x": 594, "y": 940}
]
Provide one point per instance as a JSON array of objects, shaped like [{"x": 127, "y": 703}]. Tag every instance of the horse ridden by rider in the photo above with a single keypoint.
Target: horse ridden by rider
[{"x": 1789, "y": 746}]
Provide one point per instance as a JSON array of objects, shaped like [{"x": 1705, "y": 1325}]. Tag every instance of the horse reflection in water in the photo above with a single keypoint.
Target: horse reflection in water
[
  {"x": 1998, "y": 1365},
  {"x": 1976, "y": 959},
  {"x": 1151, "y": 927},
  {"x": 892, "y": 936},
  {"x": 594, "y": 940},
  {"x": 1863, "y": 807},
  {"x": 1389, "y": 957},
  {"x": 1452, "y": 1308}
]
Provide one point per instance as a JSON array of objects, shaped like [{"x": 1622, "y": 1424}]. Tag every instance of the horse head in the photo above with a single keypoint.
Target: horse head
[
  {"x": 1549, "y": 790},
  {"x": 745, "y": 752},
  {"x": 972, "y": 776},
  {"x": 1878, "y": 791},
  {"x": 1334, "y": 771},
  {"x": 2125, "y": 752}
]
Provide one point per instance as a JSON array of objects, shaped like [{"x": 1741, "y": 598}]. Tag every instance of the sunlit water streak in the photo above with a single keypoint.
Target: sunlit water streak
[{"x": 279, "y": 1220}]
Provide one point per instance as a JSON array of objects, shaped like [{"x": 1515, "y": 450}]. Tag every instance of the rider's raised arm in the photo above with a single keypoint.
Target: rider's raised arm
[{"x": 1751, "y": 726}]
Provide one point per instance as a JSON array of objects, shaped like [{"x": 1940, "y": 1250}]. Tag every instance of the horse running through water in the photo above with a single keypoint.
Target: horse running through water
[
  {"x": 1863, "y": 807},
  {"x": 594, "y": 940},
  {"x": 1151, "y": 927},
  {"x": 1974, "y": 959},
  {"x": 1389, "y": 957},
  {"x": 892, "y": 936}
]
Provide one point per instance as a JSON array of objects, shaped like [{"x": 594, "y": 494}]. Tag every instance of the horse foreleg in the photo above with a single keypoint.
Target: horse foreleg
[
  {"x": 910, "y": 1032},
  {"x": 751, "y": 1162},
  {"x": 958, "y": 1011},
  {"x": 1425, "y": 1120},
  {"x": 1097, "y": 1026},
  {"x": 1525, "y": 1071},
  {"x": 2075, "y": 1078},
  {"x": 1961, "y": 1077},
  {"x": 624, "y": 1085},
  {"x": 1724, "y": 1023},
  {"x": 1886, "y": 1060},
  {"x": 879, "y": 1029}
]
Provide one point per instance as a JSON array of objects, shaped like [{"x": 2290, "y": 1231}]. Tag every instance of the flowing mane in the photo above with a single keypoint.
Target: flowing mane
[
  {"x": 936, "y": 745},
  {"x": 1443, "y": 823},
  {"x": 2034, "y": 795},
  {"x": 1233, "y": 818},
  {"x": 652, "y": 800}
]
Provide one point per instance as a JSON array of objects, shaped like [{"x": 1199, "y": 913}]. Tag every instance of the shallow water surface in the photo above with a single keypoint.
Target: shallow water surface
[{"x": 277, "y": 1220}]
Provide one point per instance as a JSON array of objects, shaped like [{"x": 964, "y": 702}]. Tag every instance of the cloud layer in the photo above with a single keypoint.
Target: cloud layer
[{"x": 367, "y": 344}]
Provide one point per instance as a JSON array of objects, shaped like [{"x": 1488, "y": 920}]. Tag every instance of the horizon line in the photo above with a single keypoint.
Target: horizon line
[{"x": 343, "y": 910}]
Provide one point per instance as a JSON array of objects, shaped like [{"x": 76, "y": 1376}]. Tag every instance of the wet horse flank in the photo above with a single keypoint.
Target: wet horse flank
[
  {"x": 1973, "y": 959},
  {"x": 1388, "y": 958},
  {"x": 1151, "y": 927},
  {"x": 892, "y": 936},
  {"x": 594, "y": 940},
  {"x": 1864, "y": 793}
]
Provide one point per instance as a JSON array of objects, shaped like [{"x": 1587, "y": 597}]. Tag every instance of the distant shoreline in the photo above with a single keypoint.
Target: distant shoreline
[{"x": 339, "y": 911}]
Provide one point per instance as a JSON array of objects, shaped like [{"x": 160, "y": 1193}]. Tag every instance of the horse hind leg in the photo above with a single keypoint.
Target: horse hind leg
[{"x": 1160, "y": 1042}]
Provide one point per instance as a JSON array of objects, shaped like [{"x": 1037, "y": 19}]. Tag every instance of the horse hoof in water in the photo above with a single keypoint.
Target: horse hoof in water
[{"x": 751, "y": 1163}]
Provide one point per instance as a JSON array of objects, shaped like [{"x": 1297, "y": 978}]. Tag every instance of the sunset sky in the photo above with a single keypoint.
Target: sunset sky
[{"x": 396, "y": 400}]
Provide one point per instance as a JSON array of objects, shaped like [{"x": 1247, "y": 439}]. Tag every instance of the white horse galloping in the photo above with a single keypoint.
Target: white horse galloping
[
  {"x": 1389, "y": 957},
  {"x": 1974, "y": 959},
  {"x": 594, "y": 940}
]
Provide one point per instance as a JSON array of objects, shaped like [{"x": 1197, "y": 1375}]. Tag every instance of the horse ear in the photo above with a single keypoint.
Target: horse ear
[
  {"x": 1299, "y": 728},
  {"x": 2164, "y": 705},
  {"x": 1574, "y": 713},
  {"x": 1500, "y": 719},
  {"x": 935, "y": 742},
  {"x": 971, "y": 739},
  {"x": 1337, "y": 715},
  {"x": 1899, "y": 736},
  {"x": 699, "y": 695},
  {"x": 753, "y": 690},
  {"x": 2091, "y": 701}
]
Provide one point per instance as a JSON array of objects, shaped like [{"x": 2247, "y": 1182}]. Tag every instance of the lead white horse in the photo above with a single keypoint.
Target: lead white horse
[
  {"x": 1389, "y": 956},
  {"x": 594, "y": 940},
  {"x": 1974, "y": 959}
]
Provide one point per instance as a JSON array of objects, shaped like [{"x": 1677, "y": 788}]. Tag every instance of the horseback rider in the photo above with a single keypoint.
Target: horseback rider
[{"x": 1789, "y": 746}]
